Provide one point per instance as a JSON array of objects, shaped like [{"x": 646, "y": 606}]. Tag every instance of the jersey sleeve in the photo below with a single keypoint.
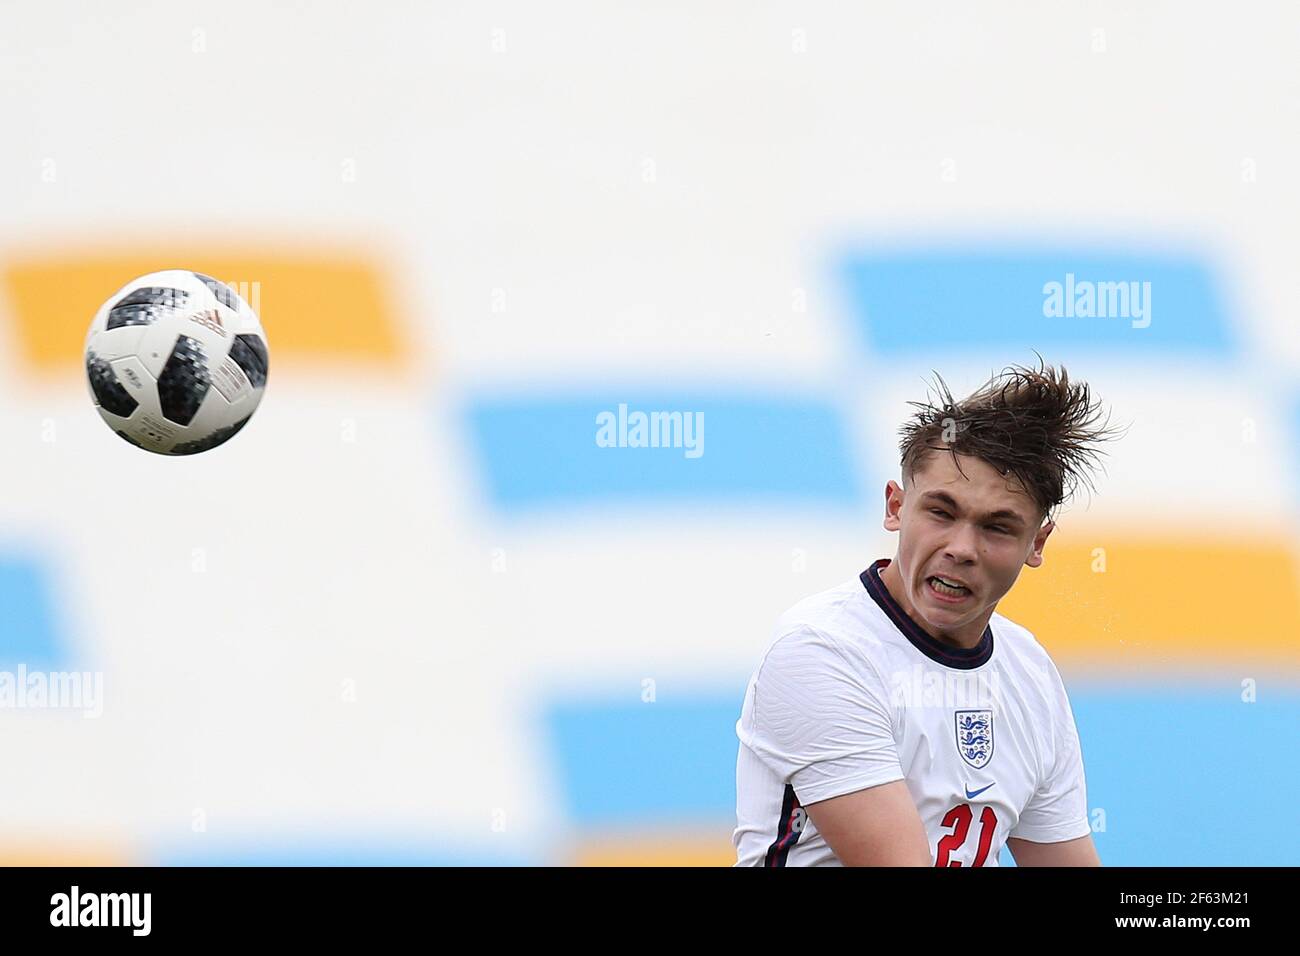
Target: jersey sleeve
[
  {"x": 1058, "y": 810},
  {"x": 819, "y": 721}
]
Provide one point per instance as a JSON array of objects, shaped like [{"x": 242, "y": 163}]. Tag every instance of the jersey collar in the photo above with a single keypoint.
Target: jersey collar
[{"x": 961, "y": 658}]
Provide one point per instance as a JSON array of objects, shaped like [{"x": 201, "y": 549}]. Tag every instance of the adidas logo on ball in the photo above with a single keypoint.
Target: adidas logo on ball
[{"x": 210, "y": 320}]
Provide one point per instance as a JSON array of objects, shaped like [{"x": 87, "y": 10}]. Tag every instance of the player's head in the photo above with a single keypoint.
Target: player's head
[{"x": 981, "y": 479}]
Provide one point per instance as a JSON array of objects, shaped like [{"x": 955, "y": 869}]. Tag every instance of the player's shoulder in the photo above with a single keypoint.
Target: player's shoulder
[
  {"x": 831, "y": 622},
  {"x": 824, "y": 607},
  {"x": 1021, "y": 643}
]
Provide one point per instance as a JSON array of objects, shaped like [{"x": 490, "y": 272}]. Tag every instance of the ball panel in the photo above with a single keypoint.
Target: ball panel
[
  {"x": 184, "y": 381},
  {"x": 133, "y": 377},
  {"x": 211, "y": 440},
  {"x": 250, "y": 352},
  {"x": 116, "y": 344},
  {"x": 152, "y": 433},
  {"x": 109, "y": 393},
  {"x": 146, "y": 305}
]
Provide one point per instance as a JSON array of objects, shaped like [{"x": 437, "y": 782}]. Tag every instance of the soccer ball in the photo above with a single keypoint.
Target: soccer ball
[{"x": 176, "y": 362}]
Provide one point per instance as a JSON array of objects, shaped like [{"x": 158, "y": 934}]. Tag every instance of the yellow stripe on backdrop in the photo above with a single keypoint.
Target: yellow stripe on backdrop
[
  {"x": 1123, "y": 599},
  {"x": 314, "y": 306},
  {"x": 64, "y": 855},
  {"x": 705, "y": 848}
]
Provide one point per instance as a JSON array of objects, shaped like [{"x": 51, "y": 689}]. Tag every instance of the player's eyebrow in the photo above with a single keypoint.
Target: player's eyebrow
[{"x": 1002, "y": 514}]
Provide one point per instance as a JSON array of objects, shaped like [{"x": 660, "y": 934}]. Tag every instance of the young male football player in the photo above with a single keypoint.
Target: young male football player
[{"x": 898, "y": 720}]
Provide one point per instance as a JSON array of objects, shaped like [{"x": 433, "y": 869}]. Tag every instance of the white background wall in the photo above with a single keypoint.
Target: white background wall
[{"x": 506, "y": 146}]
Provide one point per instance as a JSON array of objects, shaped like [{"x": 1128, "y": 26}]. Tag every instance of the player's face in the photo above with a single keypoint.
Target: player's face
[{"x": 975, "y": 531}]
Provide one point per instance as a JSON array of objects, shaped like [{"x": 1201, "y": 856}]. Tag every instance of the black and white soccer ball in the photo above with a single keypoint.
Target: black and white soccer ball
[{"x": 176, "y": 362}]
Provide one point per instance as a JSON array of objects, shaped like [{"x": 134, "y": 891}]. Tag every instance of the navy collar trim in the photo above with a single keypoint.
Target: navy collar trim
[{"x": 961, "y": 658}]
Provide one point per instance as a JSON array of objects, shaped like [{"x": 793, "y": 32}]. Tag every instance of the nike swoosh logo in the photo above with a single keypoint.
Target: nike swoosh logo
[{"x": 972, "y": 794}]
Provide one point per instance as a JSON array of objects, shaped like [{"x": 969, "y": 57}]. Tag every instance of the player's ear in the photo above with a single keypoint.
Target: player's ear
[
  {"x": 893, "y": 506},
  {"x": 1040, "y": 538}
]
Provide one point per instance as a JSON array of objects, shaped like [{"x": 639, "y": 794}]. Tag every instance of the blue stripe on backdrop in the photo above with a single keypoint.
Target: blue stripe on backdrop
[
  {"x": 1294, "y": 440},
  {"x": 626, "y": 762},
  {"x": 28, "y": 630},
  {"x": 542, "y": 451},
  {"x": 1187, "y": 774},
  {"x": 955, "y": 299},
  {"x": 1192, "y": 775}
]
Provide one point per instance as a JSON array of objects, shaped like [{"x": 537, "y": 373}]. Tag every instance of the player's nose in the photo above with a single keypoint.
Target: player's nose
[{"x": 962, "y": 544}]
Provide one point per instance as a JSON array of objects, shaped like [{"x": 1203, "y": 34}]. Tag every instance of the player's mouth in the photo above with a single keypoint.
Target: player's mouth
[{"x": 947, "y": 590}]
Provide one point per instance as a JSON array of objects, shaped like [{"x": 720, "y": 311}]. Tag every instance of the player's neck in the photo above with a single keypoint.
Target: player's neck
[{"x": 966, "y": 637}]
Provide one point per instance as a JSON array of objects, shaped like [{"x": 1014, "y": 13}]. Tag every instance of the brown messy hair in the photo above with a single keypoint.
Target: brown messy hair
[{"x": 1033, "y": 423}]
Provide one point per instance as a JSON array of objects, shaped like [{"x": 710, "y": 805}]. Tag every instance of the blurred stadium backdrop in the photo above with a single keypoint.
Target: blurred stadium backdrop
[{"x": 414, "y": 613}]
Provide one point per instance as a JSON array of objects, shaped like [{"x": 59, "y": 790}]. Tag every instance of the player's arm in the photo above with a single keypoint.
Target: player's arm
[
  {"x": 874, "y": 827},
  {"x": 1080, "y": 852},
  {"x": 821, "y": 719}
]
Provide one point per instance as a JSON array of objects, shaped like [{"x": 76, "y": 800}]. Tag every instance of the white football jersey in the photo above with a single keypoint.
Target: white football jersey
[{"x": 852, "y": 693}]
